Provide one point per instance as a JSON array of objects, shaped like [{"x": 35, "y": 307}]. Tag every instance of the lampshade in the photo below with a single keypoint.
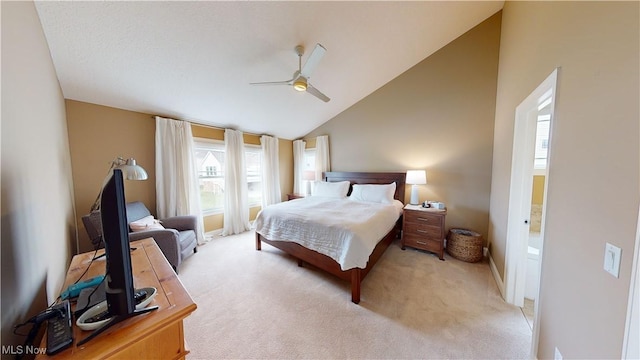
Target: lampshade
[
  {"x": 416, "y": 177},
  {"x": 132, "y": 171}
]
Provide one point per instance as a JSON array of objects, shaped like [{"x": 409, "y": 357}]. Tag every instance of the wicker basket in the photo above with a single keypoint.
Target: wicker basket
[{"x": 465, "y": 245}]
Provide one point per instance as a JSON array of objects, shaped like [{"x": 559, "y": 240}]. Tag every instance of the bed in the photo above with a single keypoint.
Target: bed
[{"x": 355, "y": 274}]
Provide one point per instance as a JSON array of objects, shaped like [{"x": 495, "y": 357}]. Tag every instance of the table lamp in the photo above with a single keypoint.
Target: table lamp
[{"x": 415, "y": 178}]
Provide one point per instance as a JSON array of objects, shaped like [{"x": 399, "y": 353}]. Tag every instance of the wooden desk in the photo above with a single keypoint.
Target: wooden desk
[{"x": 158, "y": 334}]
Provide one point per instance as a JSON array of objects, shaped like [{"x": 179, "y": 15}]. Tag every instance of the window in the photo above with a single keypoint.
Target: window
[
  {"x": 210, "y": 157},
  {"x": 309, "y": 160},
  {"x": 542, "y": 130},
  {"x": 308, "y": 170},
  {"x": 253, "y": 162}
]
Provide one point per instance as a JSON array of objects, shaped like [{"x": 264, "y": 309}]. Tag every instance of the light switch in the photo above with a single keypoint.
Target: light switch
[{"x": 612, "y": 255}]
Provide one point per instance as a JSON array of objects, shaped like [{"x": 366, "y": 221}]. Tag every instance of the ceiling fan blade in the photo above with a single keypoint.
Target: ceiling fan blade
[
  {"x": 315, "y": 92},
  {"x": 288, "y": 82},
  {"x": 313, "y": 61}
]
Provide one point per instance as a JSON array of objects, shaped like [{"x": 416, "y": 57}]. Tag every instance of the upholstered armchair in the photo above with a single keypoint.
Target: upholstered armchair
[{"x": 176, "y": 237}]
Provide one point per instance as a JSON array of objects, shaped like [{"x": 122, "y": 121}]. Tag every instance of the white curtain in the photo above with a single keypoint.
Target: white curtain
[
  {"x": 177, "y": 191},
  {"x": 322, "y": 156},
  {"x": 236, "y": 201},
  {"x": 298, "y": 167},
  {"x": 270, "y": 171}
]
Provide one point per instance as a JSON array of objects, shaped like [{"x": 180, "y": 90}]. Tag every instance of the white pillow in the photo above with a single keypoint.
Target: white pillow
[
  {"x": 374, "y": 193},
  {"x": 338, "y": 189},
  {"x": 146, "y": 223}
]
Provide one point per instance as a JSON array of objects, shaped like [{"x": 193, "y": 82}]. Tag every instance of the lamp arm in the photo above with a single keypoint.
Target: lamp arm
[{"x": 115, "y": 163}]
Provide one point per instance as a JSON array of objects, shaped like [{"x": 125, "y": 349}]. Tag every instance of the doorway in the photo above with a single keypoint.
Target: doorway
[
  {"x": 527, "y": 198},
  {"x": 535, "y": 238}
]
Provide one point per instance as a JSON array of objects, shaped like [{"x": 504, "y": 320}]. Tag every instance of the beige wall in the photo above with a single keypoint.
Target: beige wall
[
  {"x": 38, "y": 230},
  {"x": 98, "y": 135},
  {"x": 594, "y": 166},
  {"x": 436, "y": 116}
]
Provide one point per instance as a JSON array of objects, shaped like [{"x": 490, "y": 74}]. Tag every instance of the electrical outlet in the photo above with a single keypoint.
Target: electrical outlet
[
  {"x": 557, "y": 355},
  {"x": 612, "y": 255}
]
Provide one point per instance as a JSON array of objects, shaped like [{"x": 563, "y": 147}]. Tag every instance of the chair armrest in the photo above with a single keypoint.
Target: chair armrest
[
  {"x": 167, "y": 240},
  {"x": 180, "y": 223}
]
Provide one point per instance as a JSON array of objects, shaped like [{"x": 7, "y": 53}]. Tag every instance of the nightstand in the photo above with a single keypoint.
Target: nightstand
[
  {"x": 294, "y": 196},
  {"x": 423, "y": 228}
]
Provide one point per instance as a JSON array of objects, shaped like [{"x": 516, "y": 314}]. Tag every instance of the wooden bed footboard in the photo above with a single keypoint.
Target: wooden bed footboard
[{"x": 325, "y": 263}]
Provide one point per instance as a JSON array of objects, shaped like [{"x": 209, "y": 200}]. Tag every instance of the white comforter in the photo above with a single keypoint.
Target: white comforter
[{"x": 345, "y": 230}]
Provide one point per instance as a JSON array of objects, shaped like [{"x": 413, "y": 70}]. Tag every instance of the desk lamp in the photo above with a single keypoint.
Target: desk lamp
[{"x": 130, "y": 171}]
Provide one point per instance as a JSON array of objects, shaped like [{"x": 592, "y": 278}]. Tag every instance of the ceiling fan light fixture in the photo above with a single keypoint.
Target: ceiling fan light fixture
[{"x": 300, "y": 84}]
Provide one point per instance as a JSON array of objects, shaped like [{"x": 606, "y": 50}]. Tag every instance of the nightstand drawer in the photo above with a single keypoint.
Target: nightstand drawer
[
  {"x": 420, "y": 242},
  {"x": 425, "y": 218},
  {"x": 433, "y": 232}
]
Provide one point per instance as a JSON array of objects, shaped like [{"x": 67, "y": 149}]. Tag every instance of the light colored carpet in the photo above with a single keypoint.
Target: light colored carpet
[{"x": 261, "y": 305}]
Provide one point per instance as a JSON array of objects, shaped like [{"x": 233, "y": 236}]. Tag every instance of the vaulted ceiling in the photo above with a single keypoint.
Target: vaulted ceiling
[{"x": 195, "y": 60}]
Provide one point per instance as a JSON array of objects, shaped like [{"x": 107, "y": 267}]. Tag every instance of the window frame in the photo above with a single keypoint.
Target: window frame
[
  {"x": 206, "y": 143},
  {"x": 199, "y": 143}
]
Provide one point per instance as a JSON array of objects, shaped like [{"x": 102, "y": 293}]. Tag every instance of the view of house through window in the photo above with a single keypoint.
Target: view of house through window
[{"x": 210, "y": 159}]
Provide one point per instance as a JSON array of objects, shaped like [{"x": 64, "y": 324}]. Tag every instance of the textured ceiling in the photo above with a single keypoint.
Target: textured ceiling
[{"x": 194, "y": 60}]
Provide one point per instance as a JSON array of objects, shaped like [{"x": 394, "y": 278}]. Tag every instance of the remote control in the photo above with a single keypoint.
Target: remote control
[
  {"x": 59, "y": 329},
  {"x": 139, "y": 296},
  {"x": 101, "y": 316}
]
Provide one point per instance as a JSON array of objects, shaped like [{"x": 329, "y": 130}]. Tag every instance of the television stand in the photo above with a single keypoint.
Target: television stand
[
  {"x": 114, "y": 320},
  {"x": 105, "y": 254},
  {"x": 158, "y": 335}
]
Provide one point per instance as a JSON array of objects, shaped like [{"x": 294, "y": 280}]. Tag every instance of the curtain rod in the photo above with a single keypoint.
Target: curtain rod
[{"x": 210, "y": 126}]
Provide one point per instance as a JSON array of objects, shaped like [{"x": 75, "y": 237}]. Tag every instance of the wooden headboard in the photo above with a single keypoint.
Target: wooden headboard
[{"x": 370, "y": 178}]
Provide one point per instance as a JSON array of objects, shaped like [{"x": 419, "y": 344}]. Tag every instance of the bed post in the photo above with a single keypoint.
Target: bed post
[
  {"x": 356, "y": 278},
  {"x": 258, "y": 243}
]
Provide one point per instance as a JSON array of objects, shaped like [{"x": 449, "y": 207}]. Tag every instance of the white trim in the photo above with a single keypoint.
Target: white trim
[
  {"x": 630, "y": 344},
  {"x": 496, "y": 276}
]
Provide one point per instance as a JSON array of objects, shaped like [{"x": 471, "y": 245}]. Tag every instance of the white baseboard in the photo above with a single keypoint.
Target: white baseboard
[{"x": 496, "y": 276}]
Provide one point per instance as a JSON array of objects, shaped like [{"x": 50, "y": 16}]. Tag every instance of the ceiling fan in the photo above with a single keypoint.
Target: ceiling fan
[{"x": 300, "y": 80}]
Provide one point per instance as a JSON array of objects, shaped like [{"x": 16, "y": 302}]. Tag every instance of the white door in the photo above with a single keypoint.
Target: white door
[{"x": 522, "y": 169}]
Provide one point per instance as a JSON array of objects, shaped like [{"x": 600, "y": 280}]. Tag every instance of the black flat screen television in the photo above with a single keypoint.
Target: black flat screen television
[
  {"x": 119, "y": 287},
  {"x": 119, "y": 279}
]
